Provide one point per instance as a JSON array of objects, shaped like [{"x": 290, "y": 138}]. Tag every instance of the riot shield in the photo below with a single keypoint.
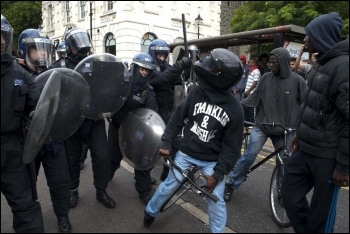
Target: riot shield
[
  {"x": 139, "y": 138},
  {"x": 109, "y": 83},
  {"x": 43, "y": 117},
  {"x": 73, "y": 104}
]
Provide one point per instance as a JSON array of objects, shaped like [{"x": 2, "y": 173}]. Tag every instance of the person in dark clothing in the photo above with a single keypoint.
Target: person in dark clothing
[
  {"x": 35, "y": 51},
  {"x": 239, "y": 89},
  {"x": 213, "y": 134},
  {"x": 19, "y": 96},
  {"x": 263, "y": 66},
  {"x": 163, "y": 81},
  {"x": 293, "y": 67},
  {"x": 278, "y": 97},
  {"x": 141, "y": 95},
  {"x": 320, "y": 160},
  {"x": 91, "y": 133}
]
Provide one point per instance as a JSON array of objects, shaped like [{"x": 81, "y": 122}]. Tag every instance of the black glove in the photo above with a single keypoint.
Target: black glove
[{"x": 185, "y": 62}]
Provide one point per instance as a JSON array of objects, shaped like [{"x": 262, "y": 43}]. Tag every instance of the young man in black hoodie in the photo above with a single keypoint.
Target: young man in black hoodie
[
  {"x": 320, "y": 160},
  {"x": 278, "y": 98},
  {"x": 213, "y": 134}
]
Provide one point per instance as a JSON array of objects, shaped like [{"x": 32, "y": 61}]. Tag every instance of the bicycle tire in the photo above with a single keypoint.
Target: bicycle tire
[
  {"x": 172, "y": 200},
  {"x": 279, "y": 214}
]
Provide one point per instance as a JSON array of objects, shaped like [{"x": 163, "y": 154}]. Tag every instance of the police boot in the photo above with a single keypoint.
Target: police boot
[
  {"x": 105, "y": 199},
  {"x": 74, "y": 196},
  {"x": 64, "y": 225}
]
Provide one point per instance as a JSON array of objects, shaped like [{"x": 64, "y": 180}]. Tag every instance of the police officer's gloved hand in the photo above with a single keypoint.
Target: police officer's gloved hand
[
  {"x": 185, "y": 62},
  {"x": 143, "y": 98}
]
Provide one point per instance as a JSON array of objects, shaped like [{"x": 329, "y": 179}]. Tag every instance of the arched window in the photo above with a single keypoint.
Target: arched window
[
  {"x": 146, "y": 41},
  {"x": 110, "y": 45}
]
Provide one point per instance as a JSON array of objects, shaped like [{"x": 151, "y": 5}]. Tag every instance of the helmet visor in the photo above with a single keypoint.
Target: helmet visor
[
  {"x": 6, "y": 39},
  {"x": 39, "y": 51},
  {"x": 80, "y": 42}
]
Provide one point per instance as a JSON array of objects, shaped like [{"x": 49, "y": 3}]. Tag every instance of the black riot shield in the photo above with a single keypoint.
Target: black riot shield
[
  {"x": 43, "y": 117},
  {"x": 73, "y": 104},
  {"x": 139, "y": 137},
  {"x": 109, "y": 83}
]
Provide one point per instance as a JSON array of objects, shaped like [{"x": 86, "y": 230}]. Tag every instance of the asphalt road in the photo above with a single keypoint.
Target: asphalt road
[{"x": 248, "y": 211}]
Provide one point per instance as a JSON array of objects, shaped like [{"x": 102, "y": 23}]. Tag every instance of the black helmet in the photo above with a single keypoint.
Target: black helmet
[
  {"x": 7, "y": 32},
  {"x": 159, "y": 46},
  {"x": 222, "y": 69},
  {"x": 78, "y": 44},
  {"x": 61, "y": 50}
]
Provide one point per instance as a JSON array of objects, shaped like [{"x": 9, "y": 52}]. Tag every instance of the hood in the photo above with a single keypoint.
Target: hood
[
  {"x": 283, "y": 58},
  {"x": 243, "y": 58},
  {"x": 325, "y": 31}
]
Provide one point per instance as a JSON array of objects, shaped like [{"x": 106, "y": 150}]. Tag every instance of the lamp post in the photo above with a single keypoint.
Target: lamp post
[
  {"x": 91, "y": 20},
  {"x": 199, "y": 21}
]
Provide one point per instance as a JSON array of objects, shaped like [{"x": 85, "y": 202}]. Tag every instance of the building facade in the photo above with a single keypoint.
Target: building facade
[{"x": 124, "y": 28}]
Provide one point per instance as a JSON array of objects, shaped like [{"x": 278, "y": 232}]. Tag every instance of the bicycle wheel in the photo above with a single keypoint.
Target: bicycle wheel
[
  {"x": 172, "y": 200},
  {"x": 279, "y": 214}
]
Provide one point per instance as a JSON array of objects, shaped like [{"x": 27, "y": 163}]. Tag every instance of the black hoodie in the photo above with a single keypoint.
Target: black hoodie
[{"x": 277, "y": 96}]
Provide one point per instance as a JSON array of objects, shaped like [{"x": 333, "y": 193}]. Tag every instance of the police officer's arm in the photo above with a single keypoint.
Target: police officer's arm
[
  {"x": 151, "y": 101},
  {"x": 32, "y": 96}
]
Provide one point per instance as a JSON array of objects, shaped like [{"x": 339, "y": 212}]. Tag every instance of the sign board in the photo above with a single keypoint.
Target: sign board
[{"x": 294, "y": 49}]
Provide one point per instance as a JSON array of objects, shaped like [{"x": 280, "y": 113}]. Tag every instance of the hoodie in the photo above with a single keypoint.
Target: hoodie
[{"x": 277, "y": 96}]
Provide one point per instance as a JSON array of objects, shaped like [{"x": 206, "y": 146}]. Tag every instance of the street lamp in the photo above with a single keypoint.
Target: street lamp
[
  {"x": 91, "y": 20},
  {"x": 199, "y": 21}
]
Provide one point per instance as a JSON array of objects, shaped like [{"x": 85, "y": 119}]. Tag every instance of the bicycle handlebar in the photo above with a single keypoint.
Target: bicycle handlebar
[
  {"x": 210, "y": 195},
  {"x": 273, "y": 124}
]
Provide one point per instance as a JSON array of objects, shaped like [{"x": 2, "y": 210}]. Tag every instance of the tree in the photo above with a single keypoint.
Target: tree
[
  {"x": 258, "y": 14},
  {"x": 21, "y": 15}
]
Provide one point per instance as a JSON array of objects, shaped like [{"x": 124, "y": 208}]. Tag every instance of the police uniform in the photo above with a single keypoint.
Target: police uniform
[{"x": 19, "y": 96}]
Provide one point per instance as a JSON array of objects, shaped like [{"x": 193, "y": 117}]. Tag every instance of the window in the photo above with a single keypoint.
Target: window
[
  {"x": 109, "y": 5},
  {"x": 67, "y": 11},
  {"x": 110, "y": 44},
  {"x": 146, "y": 41},
  {"x": 51, "y": 25},
  {"x": 82, "y": 10}
]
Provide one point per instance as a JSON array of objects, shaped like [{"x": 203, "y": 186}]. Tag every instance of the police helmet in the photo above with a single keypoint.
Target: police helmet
[
  {"x": 159, "y": 46},
  {"x": 143, "y": 60},
  {"x": 61, "y": 50},
  {"x": 35, "y": 39},
  {"x": 222, "y": 69},
  {"x": 78, "y": 41},
  {"x": 7, "y": 33}
]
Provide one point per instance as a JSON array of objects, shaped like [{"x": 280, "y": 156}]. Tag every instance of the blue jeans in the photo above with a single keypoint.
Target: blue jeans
[
  {"x": 256, "y": 141},
  {"x": 216, "y": 210}
]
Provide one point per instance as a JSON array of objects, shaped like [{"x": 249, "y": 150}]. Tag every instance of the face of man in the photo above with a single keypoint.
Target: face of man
[
  {"x": 292, "y": 65},
  {"x": 161, "y": 56},
  {"x": 274, "y": 65},
  {"x": 309, "y": 47},
  {"x": 3, "y": 42},
  {"x": 143, "y": 71}
]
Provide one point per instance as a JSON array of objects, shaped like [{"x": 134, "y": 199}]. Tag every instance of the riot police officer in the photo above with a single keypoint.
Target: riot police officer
[
  {"x": 19, "y": 97},
  {"x": 36, "y": 51},
  {"x": 141, "y": 95},
  {"x": 91, "y": 133},
  {"x": 164, "y": 80}
]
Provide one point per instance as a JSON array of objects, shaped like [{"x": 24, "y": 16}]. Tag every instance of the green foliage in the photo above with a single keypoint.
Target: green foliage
[
  {"x": 22, "y": 15},
  {"x": 259, "y": 14},
  {"x": 254, "y": 15}
]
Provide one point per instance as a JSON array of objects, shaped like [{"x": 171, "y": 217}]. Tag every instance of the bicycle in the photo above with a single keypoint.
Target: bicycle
[
  {"x": 193, "y": 182},
  {"x": 282, "y": 154}
]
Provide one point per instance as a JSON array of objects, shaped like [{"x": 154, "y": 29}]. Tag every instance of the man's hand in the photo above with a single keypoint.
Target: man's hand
[
  {"x": 340, "y": 180},
  {"x": 293, "y": 143},
  {"x": 211, "y": 183},
  {"x": 164, "y": 153},
  {"x": 185, "y": 62}
]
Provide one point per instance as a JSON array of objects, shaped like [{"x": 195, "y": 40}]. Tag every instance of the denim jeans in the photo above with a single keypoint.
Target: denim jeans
[
  {"x": 216, "y": 210},
  {"x": 256, "y": 141}
]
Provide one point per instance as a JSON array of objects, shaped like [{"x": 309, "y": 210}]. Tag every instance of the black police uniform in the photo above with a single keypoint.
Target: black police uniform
[
  {"x": 142, "y": 97},
  {"x": 54, "y": 159},
  {"x": 93, "y": 134},
  {"x": 19, "y": 96}
]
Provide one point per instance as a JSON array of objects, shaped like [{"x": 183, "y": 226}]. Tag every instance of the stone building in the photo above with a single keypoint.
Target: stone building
[{"x": 124, "y": 28}]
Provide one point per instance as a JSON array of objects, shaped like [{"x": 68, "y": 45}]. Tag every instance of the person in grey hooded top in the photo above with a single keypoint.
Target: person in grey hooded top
[
  {"x": 320, "y": 160},
  {"x": 278, "y": 98}
]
